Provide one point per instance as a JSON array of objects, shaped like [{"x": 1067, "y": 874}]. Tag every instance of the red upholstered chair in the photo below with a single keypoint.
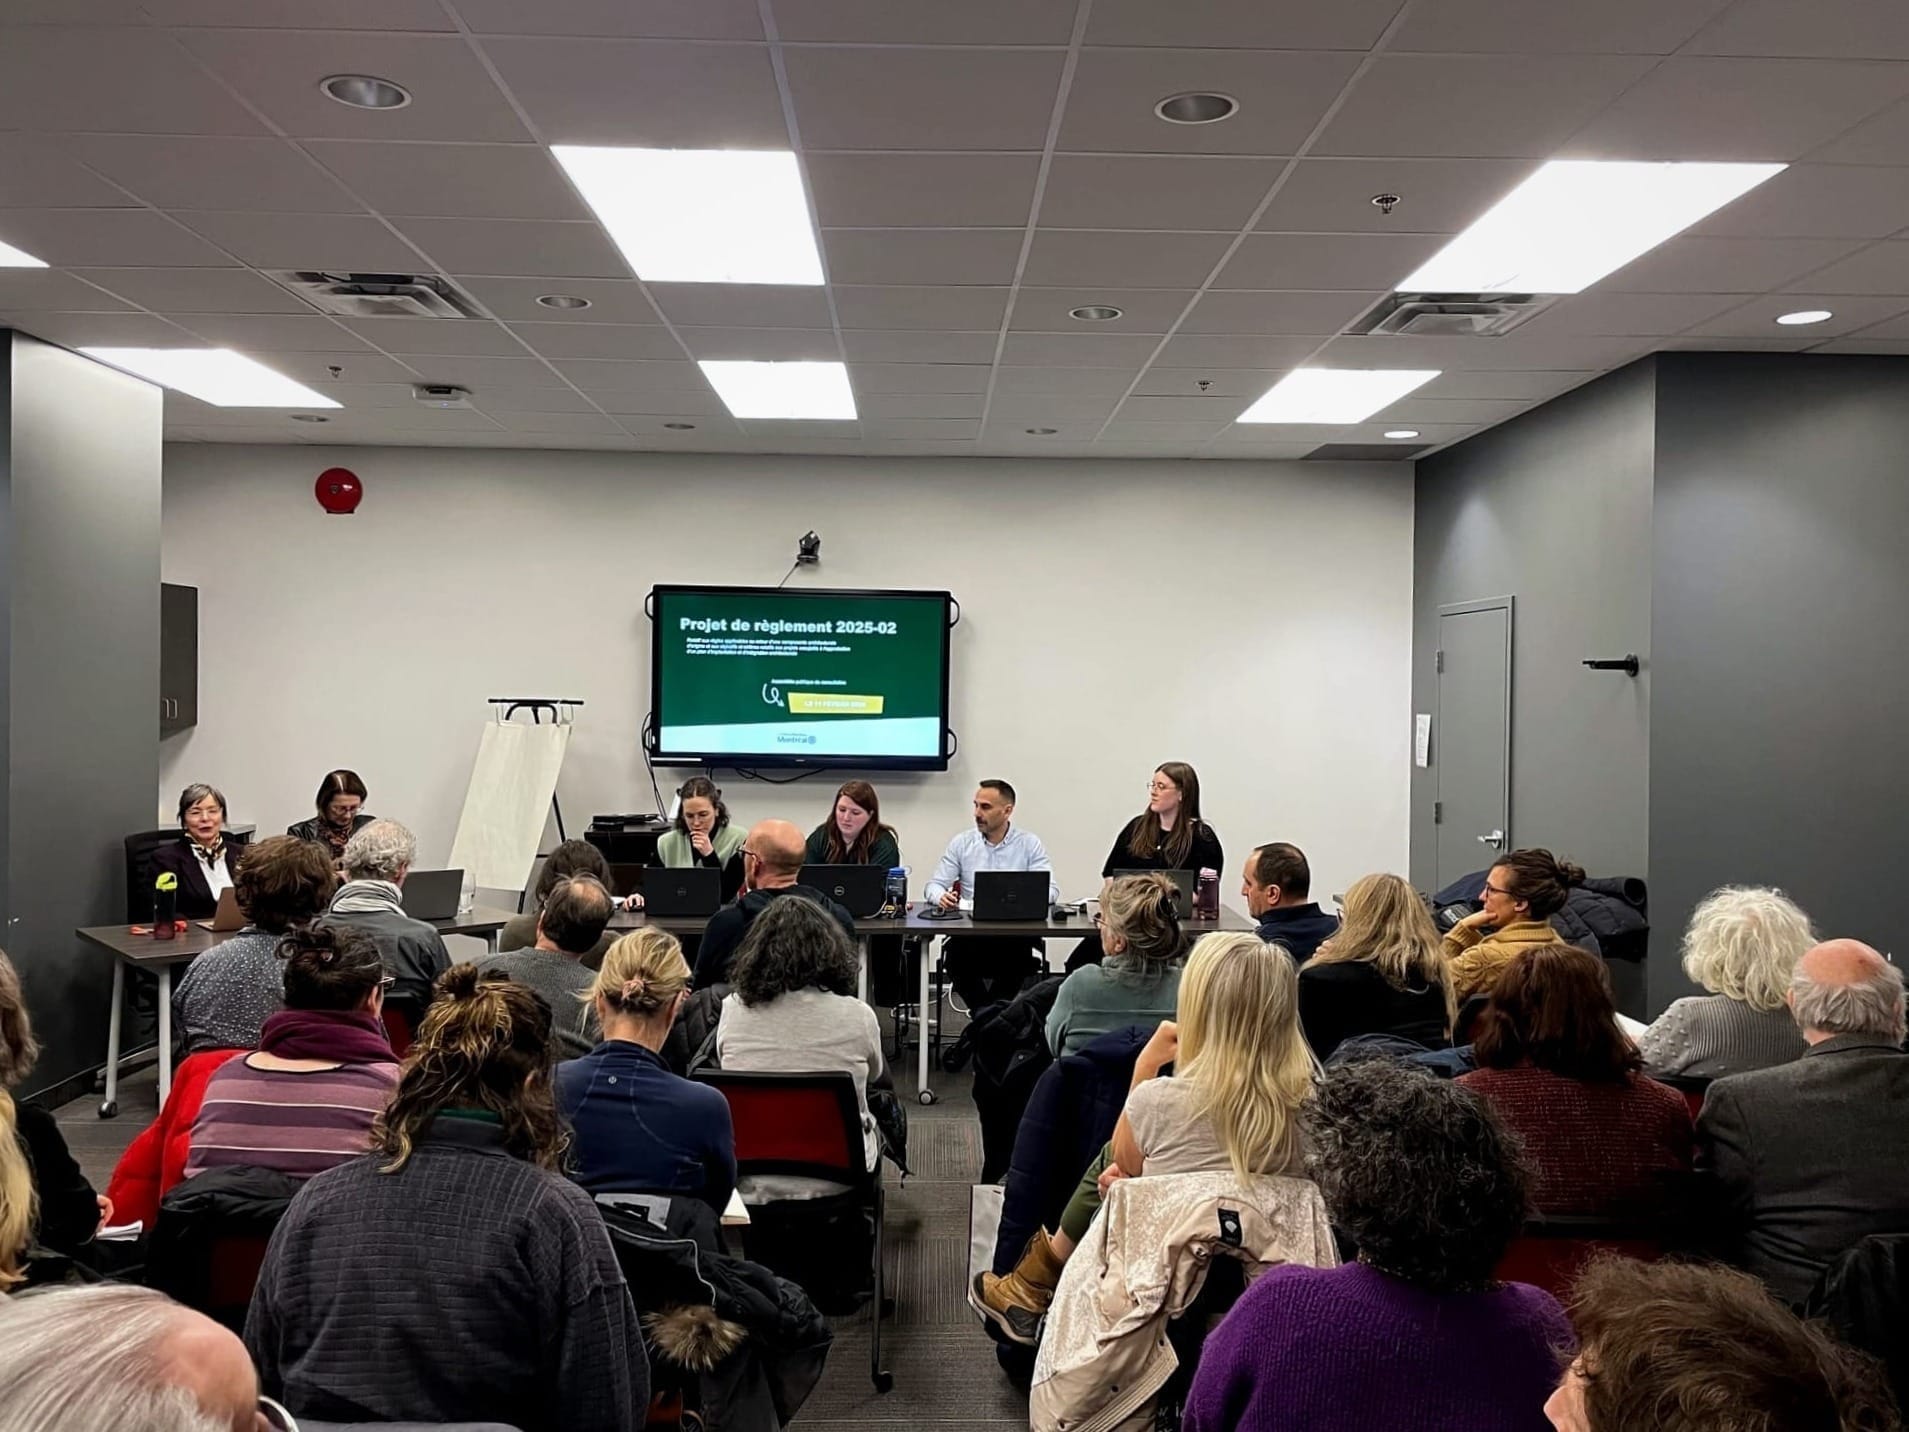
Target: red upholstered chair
[
  {"x": 1552, "y": 1251},
  {"x": 397, "y": 1029}
]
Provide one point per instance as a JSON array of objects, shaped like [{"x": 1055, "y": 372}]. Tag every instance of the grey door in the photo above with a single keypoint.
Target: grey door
[{"x": 1471, "y": 735}]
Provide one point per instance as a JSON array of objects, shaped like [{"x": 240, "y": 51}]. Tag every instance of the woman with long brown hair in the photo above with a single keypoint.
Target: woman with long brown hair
[
  {"x": 453, "y": 1274},
  {"x": 1169, "y": 834},
  {"x": 1381, "y": 973},
  {"x": 854, "y": 834}
]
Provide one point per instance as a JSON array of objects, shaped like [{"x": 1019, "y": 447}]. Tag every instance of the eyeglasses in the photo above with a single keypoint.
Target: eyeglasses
[
  {"x": 1491, "y": 889},
  {"x": 275, "y": 1416},
  {"x": 1160, "y": 787},
  {"x": 386, "y": 983}
]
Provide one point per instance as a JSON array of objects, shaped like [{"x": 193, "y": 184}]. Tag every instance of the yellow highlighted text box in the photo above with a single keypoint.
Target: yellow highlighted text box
[{"x": 831, "y": 703}]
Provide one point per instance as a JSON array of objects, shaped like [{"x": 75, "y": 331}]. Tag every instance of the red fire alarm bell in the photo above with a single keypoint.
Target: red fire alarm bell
[{"x": 339, "y": 491}]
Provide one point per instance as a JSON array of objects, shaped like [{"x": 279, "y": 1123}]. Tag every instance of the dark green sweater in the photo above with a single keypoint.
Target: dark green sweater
[{"x": 887, "y": 851}]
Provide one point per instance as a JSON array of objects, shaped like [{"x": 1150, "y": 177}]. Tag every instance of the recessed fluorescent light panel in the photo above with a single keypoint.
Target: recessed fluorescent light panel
[
  {"x": 1335, "y": 395},
  {"x": 1576, "y": 220},
  {"x": 10, "y": 257},
  {"x": 815, "y": 391},
  {"x": 700, "y": 215},
  {"x": 214, "y": 375}
]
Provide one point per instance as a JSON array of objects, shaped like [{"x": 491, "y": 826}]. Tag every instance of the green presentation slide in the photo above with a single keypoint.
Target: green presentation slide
[{"x": 759, "y": 673}]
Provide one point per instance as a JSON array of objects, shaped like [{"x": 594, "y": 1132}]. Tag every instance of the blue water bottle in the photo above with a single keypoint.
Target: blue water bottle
[{"x": 897, "y": 896}]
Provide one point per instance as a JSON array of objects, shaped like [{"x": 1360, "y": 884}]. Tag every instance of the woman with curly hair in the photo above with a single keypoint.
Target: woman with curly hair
[
  {"x": 453, "y": 1274},
  {"x": 1415, "y": 1332}
]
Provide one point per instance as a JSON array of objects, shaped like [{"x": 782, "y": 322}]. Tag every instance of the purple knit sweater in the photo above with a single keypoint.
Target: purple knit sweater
[{"x": 1326, "y": 1349}]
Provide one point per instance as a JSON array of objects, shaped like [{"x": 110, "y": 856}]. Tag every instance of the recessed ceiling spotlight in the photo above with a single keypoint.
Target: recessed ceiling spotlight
[
  {"x": 1803, "y": 316},
  {"x": 309, "y": 418},
  {"x": 365, "y": 91},
  {"x": 564, "y": 301},
  {"x": 1197, "y": 107},
  {"x": 1042, "y": 432},
  {"x": 1402, "y": 433},
  {"x": 1094, "y": 313},
  {"x": 680, "y": 427}
]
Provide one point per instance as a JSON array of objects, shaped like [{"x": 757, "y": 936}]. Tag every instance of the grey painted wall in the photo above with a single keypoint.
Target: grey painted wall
[
  {"x": 1553, "y": 508},
  {"x": 1781, "y": 629},
  {"x": 79, "y": 577}
]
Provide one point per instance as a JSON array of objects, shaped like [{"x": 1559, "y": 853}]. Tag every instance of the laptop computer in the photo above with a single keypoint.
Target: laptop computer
[
  {"x": 1010, "y": 895},
  {"x": 1183, "y": 881},
  {"x": 862, "y": 890},
  {"x": 227, "y": 917},
  {"x": 691, "y": 890},
  {"x": 432, "y": 894}
]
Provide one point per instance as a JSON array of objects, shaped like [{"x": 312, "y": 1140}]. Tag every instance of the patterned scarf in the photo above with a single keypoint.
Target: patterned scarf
[
  {"x": 210, "y": 854},
  {"x": 334, "y": 836}
]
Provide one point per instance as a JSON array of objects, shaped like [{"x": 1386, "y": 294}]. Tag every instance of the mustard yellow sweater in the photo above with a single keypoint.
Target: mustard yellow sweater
[{"x": 1476, "y": 957}]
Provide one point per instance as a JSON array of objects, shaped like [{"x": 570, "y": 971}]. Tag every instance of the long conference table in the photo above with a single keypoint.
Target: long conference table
[{"x": 162, "y": 957}]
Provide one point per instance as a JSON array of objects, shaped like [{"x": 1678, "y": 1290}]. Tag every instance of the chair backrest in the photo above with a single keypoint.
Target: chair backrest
[
  {"x": 1864, "y": 1294},
  {"x": 397, "y": 1028},
  {"x": 809, "y": 1125},
  {"x": 1691, "y": 1086},
  {"x": 140, "y": 870},
  {"x": 1551, "y": 1251}
]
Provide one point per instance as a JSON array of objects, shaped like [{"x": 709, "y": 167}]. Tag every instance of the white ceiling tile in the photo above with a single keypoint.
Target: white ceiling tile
[
  {"x": 826, "y": 431},
  {"x": 393, "y": 420},
  {"x": 1047, "y": 382},
  {"x": 64, "y": 12},
  {"x": 1866, "y": 345},
  {"x": 94, "y": 79},
  {"x": 922, "y": 429},
  {"x": 1611, "y": 27},
  {"x": 438, "y": 335},
  {"x": 1242, "y": 24},
  {"x": 743, "y": 305},
  {"x": 1515, "y": 350},
  {"x": 286, "y": 333},
  {"x": 919, "y": 405},
  {"x": 36, "y": 173},
  {"x": 1436, "y": 196},
  {"x": 1168, "y": 438},
  {"x": 1879, "y": 269},
  {"x": 515, "y": 247},
  {"x": 927, "y": 98},
  {"x": 198, "y": 290},
  {"x": 339, "y": 243},
  {"x": 644, "y": 92},
  {"x": 1692, "y": 107},
  {"x": 1624, "y": 313},
  {"x": 1276, "y": 352},
  {"x": 1158, "y": 382},
  {"x": 1266, "y": 313},
  {"x": 620, "y": 342},
  {"x": 52, "y": 291},
  {"x": 1154, "y": 191},
  {"x": 1817, "y": 201},
  {"x": 107, "y": 330},
  {"x": 660, "y": 403},
  {"x": 105, "y": 238},
  {"x": 908, "y": 346},
  {"x": 918, "y": 377},
  {"x": 356, "y": 368},
  {"x": 921, "y": 190},
  {"x": 1704, "y": 265},
  {"x": 351, "y": 395},
  {"x": 1848, "y": 29},
  {"x": 1122, "y": 259},
  {"x": 518, "y": 422},
  {"x": 452, "y": 96},
  {"x": 1757, "y": 318},
  {"x": 1881, "y": 139},
  {"x": 1505, "y": 384},
  {"x": 1080, "y": 350},
  {"x": 920, "y": 256},
  {"x": 765, "y": 344},
  {"x": 420, "y": 15},
  {"x": 481, "y": 373},
  {"x": 1282, "y": 96},
  {"x": 926, "y": 22},
  {"x": 480, "y": 181},
  {"x": 1475, "y": 106},
  {"x": 1261, "y": 443},
  {"x": 959, "y": 308},
  {"x": 1017, "y": 431},
  {"x": 1142, "y": 310},
  {"x": 1698, "y": 343},
  {"x": 1370, "y": 262},
  {"x": 1214, "y": 411},
  {"x": 1440, "y": 413},
  {"x": 1894, "y": 329},
  {"x": 652, "y": 20},
  {"x": 596, "y": 376},
  {"x": 611, "y": 300},
  {"x": 206, "y": 172},
  {"x": 501, "y": 398}
]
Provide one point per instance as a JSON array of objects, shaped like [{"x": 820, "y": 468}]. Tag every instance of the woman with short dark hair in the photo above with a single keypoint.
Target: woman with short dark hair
[
  {"x": 341, "y": 814},
  {"x": 1415, "y": 1333},
  {"x": 1522, "y": 892},
  {"x": 1601, "y": 1139},
  {"x": 204, "y": 862}
]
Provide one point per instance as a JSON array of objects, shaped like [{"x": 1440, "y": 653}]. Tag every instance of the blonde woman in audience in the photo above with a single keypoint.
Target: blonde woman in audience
[
  {"x": 1382, "y": 973},
  {"x": 1139, "y": 979},
  {"x": 1242, "y": 1071},
  {"x": 1742, "y": 944},
  {"x": 16, "y": 1198}
]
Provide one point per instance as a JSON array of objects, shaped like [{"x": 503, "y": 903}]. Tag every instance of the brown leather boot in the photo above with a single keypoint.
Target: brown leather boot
[{"x": 1016, "y": 1302}]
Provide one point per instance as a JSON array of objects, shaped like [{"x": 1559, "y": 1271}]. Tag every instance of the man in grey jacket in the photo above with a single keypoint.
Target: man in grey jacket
[
  {"x": 1804, "y": 1159},
  {"x": 376, "y": 860}
]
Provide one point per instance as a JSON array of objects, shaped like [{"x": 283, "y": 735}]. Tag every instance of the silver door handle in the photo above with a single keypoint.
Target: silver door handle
[{"x": 1496, "y": 840}]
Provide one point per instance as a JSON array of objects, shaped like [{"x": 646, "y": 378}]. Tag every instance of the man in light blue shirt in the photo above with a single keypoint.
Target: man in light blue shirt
[{"x": 987, "y": 968}]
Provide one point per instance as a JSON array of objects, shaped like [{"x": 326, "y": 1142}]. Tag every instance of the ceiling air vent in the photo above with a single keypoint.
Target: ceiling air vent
[
  {"x": 1451, "y": 315},
  {"x": 378, "y": 295}
]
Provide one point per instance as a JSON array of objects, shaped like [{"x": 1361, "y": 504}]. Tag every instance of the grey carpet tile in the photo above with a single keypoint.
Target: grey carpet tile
[
  {"x": 928, "y": 1283},
  {"x": 945, "y": 1150},
  {"x": 943, "y": 1204},
  {"x": 938, "y": 1375}
]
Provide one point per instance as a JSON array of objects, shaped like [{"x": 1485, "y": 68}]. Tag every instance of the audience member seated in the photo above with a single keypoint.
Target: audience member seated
[
  {"x": 340, "y": 802},
  {"x": 569, "y": 926},
  {"x": 793, "y": 1009},
  {"x": 1422, "y": 1177},
  {"x": 323, "y": 1071},
  {"x": 573, "y": 857},
  {"x": 376, "y": 860},
  {"x": 1139, "y": 980},
  {"x": 1522, "y": 892},
  {"x": 205, "y": 863},
  {"x": 453, "y": 1273},
  {"x": 44, "y": 1198},
  {"x": 854, "y": 834},
  {"x": 117, "y": 1358},
  {"x": 1742, "y": 945},
  {"x": 771, "y": 861},
  {"x": 1241, "y": 1075},
  {"x": 229, "y": 992},
  {"x": 1802, "y": 1160},
  {"x": 636, "y": 1126},
  {"x": 1277, "y": 890},
  {"x": 1680, "y": 1347},
  {"x": 1381, "y": 973},
  {"x": 702, "y": 835},
  {"x": 1601, "y": 1140}
]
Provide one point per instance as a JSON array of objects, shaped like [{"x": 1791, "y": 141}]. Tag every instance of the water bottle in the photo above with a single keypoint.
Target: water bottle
[
  {"x": 165, "y": 906},
  {"x": 467, "y": 892},
  {"x": 1206, "y": 895},
  {"x": 897, "y": 896}
]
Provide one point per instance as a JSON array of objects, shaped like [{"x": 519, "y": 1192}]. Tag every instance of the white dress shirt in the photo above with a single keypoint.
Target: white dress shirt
[
  {"x": 970, "y": 851},
  {"x": 218, "y": 876}
]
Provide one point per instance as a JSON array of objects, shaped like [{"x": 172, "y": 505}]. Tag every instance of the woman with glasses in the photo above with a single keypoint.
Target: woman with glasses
[
  {"x": 305, "y": 1100},
  {"x": 1168, "y": 835},
  {"x": 1138, "y": 981},
  {"x": 1522, "y": 892},
  {"x": 340, "y": 804},
  {"x": 204, "y": 862}
]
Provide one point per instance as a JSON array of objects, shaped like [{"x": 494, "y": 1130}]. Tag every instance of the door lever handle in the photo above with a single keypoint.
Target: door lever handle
[{"x": 1496, "y": 840}]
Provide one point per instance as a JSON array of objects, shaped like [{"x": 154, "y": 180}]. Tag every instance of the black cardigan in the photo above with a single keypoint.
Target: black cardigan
[
  {"x": 196, "y": 900},
  {"x": 69, "y": 1210},
  {"x": 1204, "y": 854}
]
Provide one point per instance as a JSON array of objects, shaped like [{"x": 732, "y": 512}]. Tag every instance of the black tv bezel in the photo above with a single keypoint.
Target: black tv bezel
[{"x": 777, "y": 760}]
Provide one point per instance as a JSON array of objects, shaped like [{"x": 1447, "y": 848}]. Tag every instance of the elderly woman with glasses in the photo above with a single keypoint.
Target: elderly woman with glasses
[{"x": 204, "y": 861}]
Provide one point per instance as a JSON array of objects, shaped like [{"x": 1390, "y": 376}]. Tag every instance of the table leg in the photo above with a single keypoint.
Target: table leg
[
  {"x": 490, "y": 941},
  {"x": 109, "y": 1107},
  {"x": 165, "y": 1033},
  {"x": 863, "y": 943},
  {"x": 924, "y": 1094}
]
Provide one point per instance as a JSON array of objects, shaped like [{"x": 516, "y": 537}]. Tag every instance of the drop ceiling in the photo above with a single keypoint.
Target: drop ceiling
[{"x": 976, "y": 168}]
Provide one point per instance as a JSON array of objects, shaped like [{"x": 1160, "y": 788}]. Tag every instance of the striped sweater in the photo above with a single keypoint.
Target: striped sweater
[{"x": 298, "y": 1123}]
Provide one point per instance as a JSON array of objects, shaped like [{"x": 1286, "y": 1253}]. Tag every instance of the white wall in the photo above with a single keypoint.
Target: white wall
[{"x": 1252, "y": 618}]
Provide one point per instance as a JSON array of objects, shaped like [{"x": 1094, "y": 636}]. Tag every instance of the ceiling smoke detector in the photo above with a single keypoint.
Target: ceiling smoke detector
[
  {"x": 1385, "y": 203},
  {"x": 365, "y": 91},
  {"x": 1197, "y": 107},
  {"x": 1095, "y": 313}
]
